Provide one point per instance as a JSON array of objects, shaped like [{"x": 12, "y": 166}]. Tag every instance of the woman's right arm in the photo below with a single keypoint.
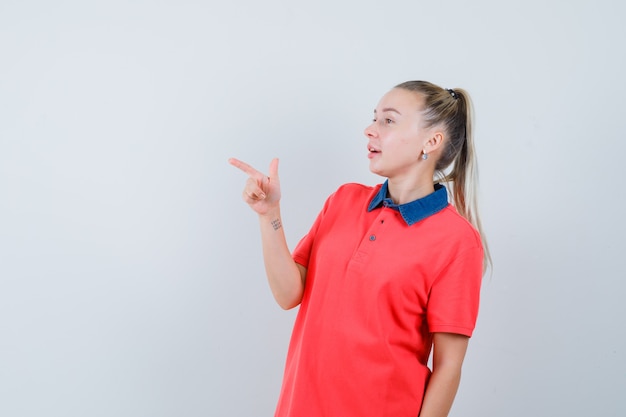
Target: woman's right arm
[{"x": 262, "y": 194}]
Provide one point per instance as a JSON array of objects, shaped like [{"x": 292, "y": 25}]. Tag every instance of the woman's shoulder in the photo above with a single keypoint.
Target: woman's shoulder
[
  {"x": 354, "y": 187},
  {"x": 353, "y": 190},
  {"x": 351, "y": 194},
  {"x": 454, "y": 224}
]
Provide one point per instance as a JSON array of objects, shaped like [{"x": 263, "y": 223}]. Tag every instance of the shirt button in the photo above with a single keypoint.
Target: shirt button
[{"x": 372, "y": 237}]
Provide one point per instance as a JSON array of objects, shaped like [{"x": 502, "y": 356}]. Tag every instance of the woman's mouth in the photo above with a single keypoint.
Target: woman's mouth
[{"x": 372, "y": 152}]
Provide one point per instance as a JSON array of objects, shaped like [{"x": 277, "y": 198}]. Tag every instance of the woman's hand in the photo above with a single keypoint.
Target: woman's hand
[{"x": 262, "y": 192}]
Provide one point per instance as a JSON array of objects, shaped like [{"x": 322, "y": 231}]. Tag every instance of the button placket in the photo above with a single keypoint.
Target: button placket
[
  {"x": 376, "y": 226},
  {"x": 362, "y": 255}
]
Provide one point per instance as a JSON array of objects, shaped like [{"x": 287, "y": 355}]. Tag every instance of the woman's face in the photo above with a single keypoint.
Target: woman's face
[{"x": 397, "y": 135}]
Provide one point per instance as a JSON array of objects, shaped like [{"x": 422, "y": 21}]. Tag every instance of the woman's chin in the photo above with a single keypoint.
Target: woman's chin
[{"x": 376, "y": 170}]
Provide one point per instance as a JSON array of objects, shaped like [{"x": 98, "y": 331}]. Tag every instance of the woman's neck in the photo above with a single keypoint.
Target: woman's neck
[{"x": 405, "y": 191}]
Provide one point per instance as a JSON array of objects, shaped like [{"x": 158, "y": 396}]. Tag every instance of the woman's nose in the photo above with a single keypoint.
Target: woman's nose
[{"x": 370, "y": 131}]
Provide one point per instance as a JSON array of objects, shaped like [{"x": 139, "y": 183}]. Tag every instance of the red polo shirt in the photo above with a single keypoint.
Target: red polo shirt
[{"x": 380, "y": 280}]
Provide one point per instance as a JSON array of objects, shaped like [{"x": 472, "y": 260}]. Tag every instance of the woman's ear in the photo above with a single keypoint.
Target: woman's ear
[{"x": 434, "y": 143}]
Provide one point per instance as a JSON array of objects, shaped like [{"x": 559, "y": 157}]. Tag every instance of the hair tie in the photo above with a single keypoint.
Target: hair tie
[{"x": 452, "y": 93}]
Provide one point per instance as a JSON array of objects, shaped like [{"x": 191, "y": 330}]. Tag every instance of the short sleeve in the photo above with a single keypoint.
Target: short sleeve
[
  {"x": 455, "y": 294},
  {"x": 302, "y": 253}
]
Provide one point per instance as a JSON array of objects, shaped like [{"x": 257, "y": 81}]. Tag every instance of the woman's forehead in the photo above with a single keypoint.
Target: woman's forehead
[{"x": 401, "y": 101}]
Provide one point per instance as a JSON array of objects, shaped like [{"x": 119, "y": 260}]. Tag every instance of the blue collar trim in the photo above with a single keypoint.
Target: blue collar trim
[{"x": 416, "y": 210}]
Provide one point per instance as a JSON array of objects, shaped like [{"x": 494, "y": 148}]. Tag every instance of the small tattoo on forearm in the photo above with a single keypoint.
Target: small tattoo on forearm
[{"x": 276, "y": 224}]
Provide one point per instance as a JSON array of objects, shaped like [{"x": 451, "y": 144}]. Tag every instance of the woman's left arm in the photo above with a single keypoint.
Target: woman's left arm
[{"x": 448, "y": 354}]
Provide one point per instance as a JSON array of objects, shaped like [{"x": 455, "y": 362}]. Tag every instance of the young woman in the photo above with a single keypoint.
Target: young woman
[{"x": 387, "y": 273}]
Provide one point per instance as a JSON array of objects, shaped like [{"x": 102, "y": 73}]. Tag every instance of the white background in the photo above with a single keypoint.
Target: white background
[{"x": 131, "y": 278}]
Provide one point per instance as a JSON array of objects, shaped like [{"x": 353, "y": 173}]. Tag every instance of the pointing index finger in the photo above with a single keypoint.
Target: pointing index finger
[{"x": 245, "y": 167}]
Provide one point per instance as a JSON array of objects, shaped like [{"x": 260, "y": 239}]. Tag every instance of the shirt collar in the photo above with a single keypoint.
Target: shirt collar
[{"x": 416, "y": 210}]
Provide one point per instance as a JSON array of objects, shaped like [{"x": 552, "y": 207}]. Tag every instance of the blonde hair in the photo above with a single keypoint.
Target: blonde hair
[{"x": 453, "y": 110}]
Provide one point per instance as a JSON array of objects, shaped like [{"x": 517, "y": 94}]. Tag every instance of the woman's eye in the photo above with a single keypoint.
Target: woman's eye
[{"x": 388, "y": 121}]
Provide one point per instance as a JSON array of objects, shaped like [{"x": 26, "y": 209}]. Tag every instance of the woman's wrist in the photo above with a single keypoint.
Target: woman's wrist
[{"x": 272, "y": 216}]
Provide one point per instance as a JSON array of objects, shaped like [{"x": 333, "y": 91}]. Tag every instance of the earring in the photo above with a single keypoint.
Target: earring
[{"x": 424, "y": 156}]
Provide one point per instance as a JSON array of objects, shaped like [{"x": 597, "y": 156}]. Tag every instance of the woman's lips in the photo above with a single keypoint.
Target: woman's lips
[{"x": 372, "y": 152}]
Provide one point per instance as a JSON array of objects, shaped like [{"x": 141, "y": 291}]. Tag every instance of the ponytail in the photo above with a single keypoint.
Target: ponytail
[{"x": 453, "y": 110}]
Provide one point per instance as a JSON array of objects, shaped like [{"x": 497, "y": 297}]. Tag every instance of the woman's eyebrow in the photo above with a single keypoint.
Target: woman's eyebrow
[{"x": 387, "y": 109}]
